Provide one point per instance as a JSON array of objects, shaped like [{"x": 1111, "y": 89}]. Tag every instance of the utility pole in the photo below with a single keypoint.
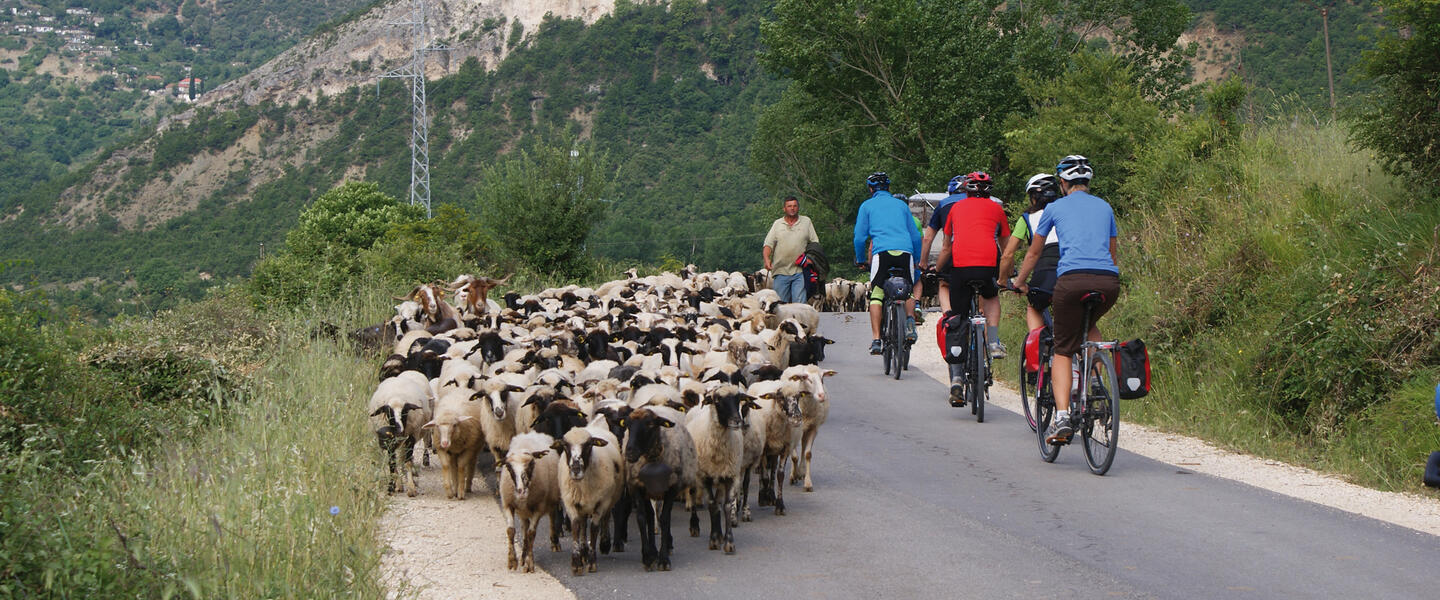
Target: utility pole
[
  {"x": 1329, "y": 66},
  {"x": 419, "y": 119}
]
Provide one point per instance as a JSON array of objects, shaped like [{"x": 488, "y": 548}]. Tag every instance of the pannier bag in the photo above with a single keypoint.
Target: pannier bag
[
  {"x": 1133, "y": 369},
  {"x": 1037, "y": 339},
  {"x": 952, "y": 335}
]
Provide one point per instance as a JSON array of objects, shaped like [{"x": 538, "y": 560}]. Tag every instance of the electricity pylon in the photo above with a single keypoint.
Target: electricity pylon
[{"x": 419, "y": 119}]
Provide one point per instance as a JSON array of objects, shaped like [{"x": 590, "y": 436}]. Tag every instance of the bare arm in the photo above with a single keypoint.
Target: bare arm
[
  {"x": 1007, "y": 258},
  {"x": 925, "y": 241},
  {"x": 766, "y": 252},
  {"x": 1114, "y": 256},
  {"x": 1032, "y": 256}
]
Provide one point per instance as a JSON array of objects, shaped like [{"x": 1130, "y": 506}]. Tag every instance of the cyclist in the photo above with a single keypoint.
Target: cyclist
[
  {"x": 974, "y": 228},
  {"x": 1087, "y": 238},
  {"x": 886, "y": 223},
  {"x": 1042, "y": 189},
  {"x": 933, "y": 227}
]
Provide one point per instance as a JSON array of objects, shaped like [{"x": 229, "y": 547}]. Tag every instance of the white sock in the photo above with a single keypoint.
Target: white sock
[{"x": 1062, "y": 416}]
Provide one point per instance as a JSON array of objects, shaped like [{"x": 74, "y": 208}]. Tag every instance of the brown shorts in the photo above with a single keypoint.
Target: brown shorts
[{"x": 1069, "y": 313}]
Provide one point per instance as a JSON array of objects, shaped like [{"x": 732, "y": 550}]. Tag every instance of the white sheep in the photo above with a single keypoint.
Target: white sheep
[
  {"x": 715, "y": 426},
  {"x": 814, "y": 409},
  {"x": 529, "y": 490},
  {"x": 780, "y": 416},
  {"x": 590, "y": 484},
  {"x": 399, "y": 408}
]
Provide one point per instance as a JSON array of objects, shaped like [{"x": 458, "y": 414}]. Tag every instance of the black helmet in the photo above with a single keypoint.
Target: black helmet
[{"x": 878, "y": 180}]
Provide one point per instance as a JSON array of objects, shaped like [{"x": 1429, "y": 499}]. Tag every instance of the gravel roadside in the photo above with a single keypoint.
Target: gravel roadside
[{"x": 1193, "y": 454}]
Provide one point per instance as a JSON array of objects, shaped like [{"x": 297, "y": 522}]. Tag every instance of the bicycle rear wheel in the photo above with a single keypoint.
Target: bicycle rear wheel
[
  {"x": 1028, "y": 384},
  {"x": 897, "y": 338},
  {"x": 979, "y": 362},
  {"x": 1044, "y": 413},
  {"x": 1101, "y": 426}
]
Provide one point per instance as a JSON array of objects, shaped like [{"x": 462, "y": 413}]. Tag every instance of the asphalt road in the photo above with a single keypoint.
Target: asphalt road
[{"x": 914, "y": 499}]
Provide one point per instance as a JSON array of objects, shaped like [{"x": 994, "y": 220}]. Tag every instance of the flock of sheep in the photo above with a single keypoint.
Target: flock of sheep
[{"x": 633, "y": 395}]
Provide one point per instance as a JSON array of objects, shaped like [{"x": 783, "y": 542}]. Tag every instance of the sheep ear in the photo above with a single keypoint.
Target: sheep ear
[
  {"x": 827, "y": 373},
  {"x": 409, "y": 406},
  {"x": 463, "y": 418},
  {"x": 378, "y": 411},
  {"x": 430, "y": 425},
  {"x": 539, "y": 453},
  {"x": 558, "y": 445},
  {"x": 751, "y": 403},
  {"x": 665, "y": 422},
  {"x": 532, "y": 400},
  {"x": 514, "y": 388},
  {"x": 454, "y": 382},
  {"x": 599, "y": 442},
  {"x": 828, "y": 341}
]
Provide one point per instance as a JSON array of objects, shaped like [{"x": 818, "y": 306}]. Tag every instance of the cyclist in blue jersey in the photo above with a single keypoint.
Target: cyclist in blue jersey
[
  {"x": 1087, "y": 238},
  {"x": 886, "y": 223}
]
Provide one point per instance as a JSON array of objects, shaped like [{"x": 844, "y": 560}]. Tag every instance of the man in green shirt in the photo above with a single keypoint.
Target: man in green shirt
[{"x": 784, "y": 243}]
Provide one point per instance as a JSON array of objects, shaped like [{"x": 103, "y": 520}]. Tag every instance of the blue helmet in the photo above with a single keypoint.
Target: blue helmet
[
  {"x": 878, "y": 180},
  {"x": 956, "y": 184},
  {"x": 1074, "y": 168}
]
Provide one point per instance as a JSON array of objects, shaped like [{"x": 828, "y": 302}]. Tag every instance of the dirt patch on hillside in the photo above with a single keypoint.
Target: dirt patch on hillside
[{"x": 1217, "y": 52}]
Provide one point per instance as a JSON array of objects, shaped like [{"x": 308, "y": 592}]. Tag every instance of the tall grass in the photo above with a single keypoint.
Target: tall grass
[
  {"x": 1287, "y": 288},
  {"x": 271, "y": 488}
]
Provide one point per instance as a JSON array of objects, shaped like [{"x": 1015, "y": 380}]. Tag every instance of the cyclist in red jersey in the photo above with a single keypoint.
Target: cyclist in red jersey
[{"x": 973, "y": 231}]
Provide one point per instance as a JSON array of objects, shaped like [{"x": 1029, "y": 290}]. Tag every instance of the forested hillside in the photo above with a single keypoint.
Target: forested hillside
[
  {"x": 673, "y": 93},
  {"x": 670, "y": 93}
]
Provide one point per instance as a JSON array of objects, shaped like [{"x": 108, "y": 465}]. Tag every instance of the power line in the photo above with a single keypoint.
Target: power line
[{"x": 672, "y": 240}]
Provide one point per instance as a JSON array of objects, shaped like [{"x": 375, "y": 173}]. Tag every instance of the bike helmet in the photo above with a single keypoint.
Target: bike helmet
[
  {"x": 1074, "y": 168},
  {"x": 978, "y": 184},
  {"x": 1039, "y": 181},
  {"x": 878, "y": 180},
  {"x": 956, "y": 184}
]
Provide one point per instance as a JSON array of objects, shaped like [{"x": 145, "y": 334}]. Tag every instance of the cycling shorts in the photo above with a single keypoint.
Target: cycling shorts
[
  {"x": 1068, "y": 311},
  {"x": 880, "y": 265},
  {"x": 960, "y": 290}
]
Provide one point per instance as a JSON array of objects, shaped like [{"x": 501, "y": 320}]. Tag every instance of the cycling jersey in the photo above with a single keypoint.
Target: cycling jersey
[
  {"x": 976, "y": 226},
  {"x": 1086, "y": 224},
  {"x": 887, "y": 222}
]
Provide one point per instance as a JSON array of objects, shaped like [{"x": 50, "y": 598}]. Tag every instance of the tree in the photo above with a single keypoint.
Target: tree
[
  {"x": 1097, "y": 110},
  {"x": 1399, "y": 120},
  {"x": 350, "y": 217},
  {"x": 541, "y": 204}
]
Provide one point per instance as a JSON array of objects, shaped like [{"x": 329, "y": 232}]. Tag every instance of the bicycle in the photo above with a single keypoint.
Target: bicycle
[
  {"x": 1094, "y": 405},
  {"x": 1032, "y": 376},
  {"x": 894, "y": 350},
  {"x": 977, "y": 375}
]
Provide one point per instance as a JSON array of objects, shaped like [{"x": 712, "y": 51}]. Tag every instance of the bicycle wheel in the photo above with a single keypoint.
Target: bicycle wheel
[
  {"x": 1028, "y": 384},
  {"x": 1101, "y": 426},
  {"x": 980, "y": 361},
  {"x": 897, "y": 337},
  {"x": 1044, "y": 413}
]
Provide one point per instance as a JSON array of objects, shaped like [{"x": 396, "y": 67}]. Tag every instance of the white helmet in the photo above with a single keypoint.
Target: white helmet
[
  {"x": 1073, "y": 168},
  {"x": 1038, "y": 180}
]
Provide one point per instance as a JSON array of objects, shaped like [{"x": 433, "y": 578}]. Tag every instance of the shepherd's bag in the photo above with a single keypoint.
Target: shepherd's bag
[{"x": 1132, "y": 369}]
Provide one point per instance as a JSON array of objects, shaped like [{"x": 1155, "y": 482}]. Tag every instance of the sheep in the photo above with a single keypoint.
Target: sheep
[
  {"x": 399, "y": 408},
  {"x": 781, "y": 417},
  {"x": 407, "y": 342},
  {"x": 589, "y": 487},
  {"x": 529, "y": 490},
  {"x": 499, "y": 402},
  {"x": 752, "y": 458},
  {"x": 814, "y": 409},
  {"x": 804, "y": 314},
  {"x": 715, "y": 427},
  {"x": 660, "y": 465},
  {"x": 458, "y": 439}
]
